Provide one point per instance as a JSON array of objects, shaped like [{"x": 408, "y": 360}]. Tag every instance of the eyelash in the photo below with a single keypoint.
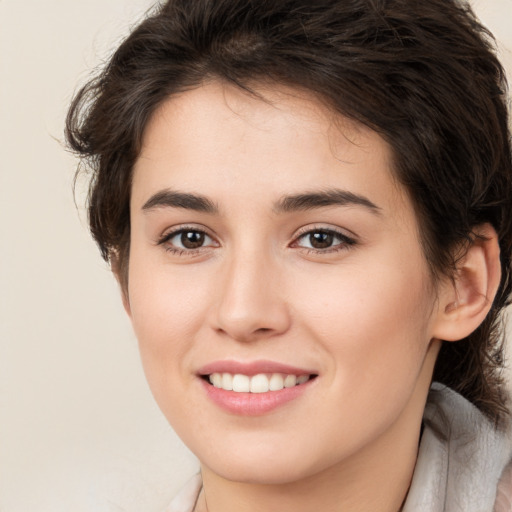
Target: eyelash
[
  {"x": 344, "y": 241},
  {"x": 167, "y": 237}
]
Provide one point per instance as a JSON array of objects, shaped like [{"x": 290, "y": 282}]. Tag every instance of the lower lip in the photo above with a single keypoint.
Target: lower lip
[{"x": 253, "y": 404}]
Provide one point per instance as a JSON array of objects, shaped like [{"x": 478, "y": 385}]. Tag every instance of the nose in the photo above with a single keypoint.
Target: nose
[{"x": 252, "y": 302}]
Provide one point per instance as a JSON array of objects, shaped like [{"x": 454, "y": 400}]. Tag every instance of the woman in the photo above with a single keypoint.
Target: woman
[{"x": 307, "y": 205}]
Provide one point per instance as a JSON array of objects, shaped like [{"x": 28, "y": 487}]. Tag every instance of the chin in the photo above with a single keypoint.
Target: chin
[
  {"x": 261, "y": 472},
  {"x": 269, "y": 464}
]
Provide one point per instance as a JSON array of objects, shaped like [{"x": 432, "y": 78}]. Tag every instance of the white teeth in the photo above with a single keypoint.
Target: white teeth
[
  {"x": 216, "y": 379},
  {"x": 227, "y": 381},
  {"x": 261, "y": 383},
  {"x": 290, "y": 381},
  {"x": 276, "y": 382},
  {"x": 241, "y": 383},
  {"x": 302, "y": 379}
]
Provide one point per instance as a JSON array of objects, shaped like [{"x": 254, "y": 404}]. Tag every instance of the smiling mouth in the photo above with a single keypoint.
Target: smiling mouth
[{"x": 259, "y": 383}]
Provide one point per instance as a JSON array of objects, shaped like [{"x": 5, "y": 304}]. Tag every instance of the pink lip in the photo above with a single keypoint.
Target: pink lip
[
  {"x": 253, "y": 404},
  {"x": 252, "y": 368}
]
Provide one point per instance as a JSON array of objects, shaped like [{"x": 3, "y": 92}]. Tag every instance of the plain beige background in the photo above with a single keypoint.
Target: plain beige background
[{"x": 78, "y": 428}]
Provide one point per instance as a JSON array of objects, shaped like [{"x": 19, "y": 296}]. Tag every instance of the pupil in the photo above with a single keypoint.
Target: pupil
[
  {"x": 321, "y": 240},
  {"x": 192, "y": 239}
]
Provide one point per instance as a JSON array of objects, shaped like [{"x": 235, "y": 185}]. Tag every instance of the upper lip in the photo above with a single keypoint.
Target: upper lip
[{"x": 252, "y": 368}]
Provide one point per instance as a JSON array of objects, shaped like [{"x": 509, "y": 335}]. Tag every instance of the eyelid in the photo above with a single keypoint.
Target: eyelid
[
  {"x": 325, "y": 227},
  {"x": 170, "y": 233},
  {"x": 345, "y": 239}
]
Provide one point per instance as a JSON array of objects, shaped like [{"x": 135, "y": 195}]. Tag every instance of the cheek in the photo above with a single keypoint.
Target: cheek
[
  {"x": 373, "y": 321},
  {"x": 372, "y": 329},
  {"x": 167, "y": 311},
  {"x": 166, "y": 300}
]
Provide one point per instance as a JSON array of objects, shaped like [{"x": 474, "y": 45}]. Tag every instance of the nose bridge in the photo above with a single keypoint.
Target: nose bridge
[{"x": 251, "y": 302}]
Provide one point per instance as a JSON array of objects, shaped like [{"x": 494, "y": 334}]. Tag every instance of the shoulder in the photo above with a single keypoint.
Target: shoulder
[{"x": 462, "y": 460}]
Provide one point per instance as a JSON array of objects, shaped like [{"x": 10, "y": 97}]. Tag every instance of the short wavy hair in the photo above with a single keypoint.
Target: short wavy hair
[{"x": 422, "y": 74}]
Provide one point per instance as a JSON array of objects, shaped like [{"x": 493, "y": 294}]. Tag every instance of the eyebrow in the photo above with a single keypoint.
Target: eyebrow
[
  {"x": 322, "y": 199},
  {"x": 287, "y": 204},
  {"x": 173, "y": 199}
]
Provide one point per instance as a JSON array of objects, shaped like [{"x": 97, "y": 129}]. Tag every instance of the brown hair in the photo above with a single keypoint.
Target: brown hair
[{"x": 423, "y": 74}]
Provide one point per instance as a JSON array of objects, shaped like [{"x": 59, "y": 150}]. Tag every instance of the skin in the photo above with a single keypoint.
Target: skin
[{"x": 365, "y": 315}]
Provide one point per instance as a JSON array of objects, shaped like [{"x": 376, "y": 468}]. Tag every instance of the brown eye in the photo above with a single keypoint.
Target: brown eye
[
  {"x": 321, "y": 239},
  {"x": 192, "y": 239},
  {"x": 186, "y": 240},
  {"x": 324, "y": 239}
]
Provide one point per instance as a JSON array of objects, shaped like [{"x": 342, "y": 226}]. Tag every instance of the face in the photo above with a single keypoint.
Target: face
[{"x": 273, "y": 254}]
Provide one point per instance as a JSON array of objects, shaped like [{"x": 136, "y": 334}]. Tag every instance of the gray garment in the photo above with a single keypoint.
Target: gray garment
[
  {"x": 461, "y": 457},
  {"x": 460, "y": 461}
]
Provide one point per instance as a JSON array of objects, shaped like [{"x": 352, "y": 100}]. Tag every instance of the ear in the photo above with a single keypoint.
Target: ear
[{"x": 465, "y": 300}]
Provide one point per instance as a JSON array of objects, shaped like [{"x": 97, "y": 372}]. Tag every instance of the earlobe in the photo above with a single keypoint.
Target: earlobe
[{"x": 465, "y": 300}]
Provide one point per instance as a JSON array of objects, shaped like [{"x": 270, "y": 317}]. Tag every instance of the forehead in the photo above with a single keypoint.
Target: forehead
[{"x": 223, "y": 142}]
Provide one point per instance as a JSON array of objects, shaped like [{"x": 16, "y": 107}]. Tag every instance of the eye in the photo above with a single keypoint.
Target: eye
[
  {"x": 186, "y": 239},
  {"x": 324, "y": 240}
]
